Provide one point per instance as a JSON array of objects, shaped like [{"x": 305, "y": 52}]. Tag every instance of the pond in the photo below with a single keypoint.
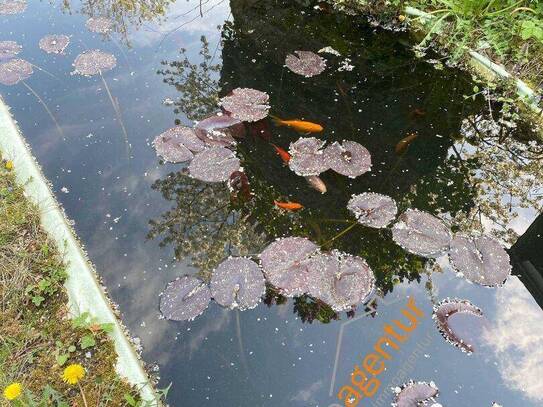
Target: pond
[{"x": 438, "y": 143}]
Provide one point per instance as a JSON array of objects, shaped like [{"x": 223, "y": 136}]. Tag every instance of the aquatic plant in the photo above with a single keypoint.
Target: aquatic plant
[
  {"x": 214, "y": 164},
  {"x": 184, "y": 299},
  {"x": 100, "y": 25},
  {"x": 413, "y": 394},
  {"x": 14, "y": 71},
  {"x": 9, "y": 49},
  {"x": 372, "y": 209},
  {"x": 348, "y": 158},
  {"x": 220, "y": 130},
  {"x": 245, "y": 104},
  {"x": 8, "y": 7},
  {"x": 307, "y": 157},
  {"x": 54, "y": 43},
  {"x": 178, "y": 144},
  {"x": 305, "y": 63}
]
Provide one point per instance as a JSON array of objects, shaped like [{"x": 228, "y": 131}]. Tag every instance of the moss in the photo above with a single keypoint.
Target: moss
[{"x": 37, "y": 337}]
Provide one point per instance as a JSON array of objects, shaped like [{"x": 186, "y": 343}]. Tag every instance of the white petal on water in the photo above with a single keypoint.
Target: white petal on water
[
  {"x": 14, "y": 71},
  {"x": 93, "y": 62},
  {"x": 441, "y": 315},
  {"x": 178, "y": 144},
  {"x": 421, "y": 233},
  {"x": 184, "y": 299},
  {"x": 372, "y": 209},
  {"x": 245, "y": 104},
  {"x": 54, "y": 43},
  {"x": 481, "y": 260},
  {"x": 238, "y": 283},
  {"x": 12, "y": 7},
  {"x": 414, "y": 394},
  {"x": 214, "y": 164},
  {"x": 305, "y": 63},
  {"x": 9, "y": 49},
  {"x": 101, "y": 25},
  {"x": 349, "y": 158},
  {"x": 306, "y": 157}
]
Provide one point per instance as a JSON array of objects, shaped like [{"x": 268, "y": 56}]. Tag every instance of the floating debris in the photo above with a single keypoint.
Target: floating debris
[
  {"x": 306, "y": 157},
  {"x": 178, "y": 144},
  {"x": 94, "y": 62},
  {"x": 283, "y": 264},
  {"x": 441, "y": 315},
  {"x": 100, "y": 25},
  {"x": 54, "y": 43},
  {"x": 238, "y": 283},
  {"x": 329, "y": 50},
  {"x": 8, "y": 7},
  {"x": 9, "y": 49},
  {"x": 415, "y": 394},
  {"x": 184, "y": 299},
  {"x": 481, "y": 260},
  {"x": 220, "y": 130},
  {"x": 245, "y": 104},
  {"x": 421, "y": 233},
  {"x": 14, "y": 71},
  {"x": 349, "y": 158},
  {"x": 372, "y": 209},
  {"x": 214, "y": 164},
  {"x": 305, "y": 63}
]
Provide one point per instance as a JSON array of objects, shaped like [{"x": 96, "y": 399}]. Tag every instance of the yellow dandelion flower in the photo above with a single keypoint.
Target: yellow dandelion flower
[
  {"x": 401, "y": 18},
  {"x": 73, "y": 373},
  {"x": 9, "y": 165},
  {"x": 13, "y": 391}
]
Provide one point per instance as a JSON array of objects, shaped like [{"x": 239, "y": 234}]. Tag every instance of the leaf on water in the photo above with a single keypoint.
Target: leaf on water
[
  {"x": 305, "y": 63},
  {"x": 238, "y": 283},
  {"x": 178, "y": 144},
  {"x": 94, "y": 62},
  {"x": 220, "y": 130},
  {"x": 9, "y": 49},
  {"x": 184, "y": 299},
  {"x": 372, "y": 209},
  {"x": 14, "y": 71},
  {"x": 100, "y": 25},
  {"x": 441, "y": 315},
  {"x": 214, "y": 164},
  {"x": 306, "y": 157},
  {"x": 414, "y": 394},
  {"x": 481, "y": 260},
  {"x": 54, "y": 44},
  {"x": 283, "y": 264},
  {"x": 421, "y": 233},
  {"x": 12, "y": 7},
  {"x": 350, "y": 158},
  {"x": 245, "y": 104}
]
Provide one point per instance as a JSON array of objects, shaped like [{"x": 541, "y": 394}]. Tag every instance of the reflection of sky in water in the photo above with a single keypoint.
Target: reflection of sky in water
[{"x": 263, "y": 357}]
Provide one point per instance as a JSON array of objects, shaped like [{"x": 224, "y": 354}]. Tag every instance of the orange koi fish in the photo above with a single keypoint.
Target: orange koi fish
[
  {"x": 282, "y": 153},
  {"x": 298, "y": 125},
  {"x": 404, "y": 143},
  {"x": 289, "y": 206}
]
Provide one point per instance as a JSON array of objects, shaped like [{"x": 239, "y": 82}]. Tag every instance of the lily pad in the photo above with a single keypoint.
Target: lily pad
[
  {"x": 94, "y": 62},
  {"x": 415, "y": 394},
  {"x": 54, "y": 43},
  {"x": 441, "y": 315},
  {"x": 238, "y": 283},
  {"x": 184, "y": 299},
  {"x": 100, "y": 25},
  {"x": 305, "y": 63},
  {"x": 349, "y": 158},
  {"x": 8, "y": 7},
  {"x": 245, "y": 104},
  {"x": 178, "y": 144},
  {"x": 214, "y": 164},
  {"x": 371, "y": 209},
  {"x": 306, "y": 157},
  {"x": 220, "y": 130},
  {"x": 15, "y": 71},
  {"x": 9, "y": 49},
  {"x": 421, "y": 233},
  {"x": 481, "y": 260}
]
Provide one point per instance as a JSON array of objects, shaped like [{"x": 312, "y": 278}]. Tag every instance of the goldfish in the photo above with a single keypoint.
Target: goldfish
[
  {"x": 316, "y": 183},
  {"x": 298, "y": 125},
  {"x": 289, "y": 206},
  {"x": 404, "y": 143},
  {"x": 282, "y": 153}
]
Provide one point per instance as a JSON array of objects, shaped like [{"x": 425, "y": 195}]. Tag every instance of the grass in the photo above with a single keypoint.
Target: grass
[{"x": 37, "y": 337}]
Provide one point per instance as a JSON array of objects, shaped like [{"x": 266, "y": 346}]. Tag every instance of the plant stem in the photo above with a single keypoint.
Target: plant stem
[
  {"x": 347, "y": 229},
  {"x": 82, "y": 395}
]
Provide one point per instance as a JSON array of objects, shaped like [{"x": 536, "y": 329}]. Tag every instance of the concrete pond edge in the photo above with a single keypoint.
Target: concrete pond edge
[{"x": 85, "y": 292}]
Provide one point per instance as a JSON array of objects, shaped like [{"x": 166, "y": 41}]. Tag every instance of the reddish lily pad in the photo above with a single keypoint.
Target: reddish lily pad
[
  {"x": 214, "y": 164},
  {"x": 94, "y": 62},
  {"x": 178, "y": 144},
  {"x": 305, "y": 63},
  {"x": 54, "y": 43},
  {"x": 245, "y": 104},
  {"x": 374, "y": 210},
  {"x": 15, "y": 71},
  {"x": 306, "y": 157},
  {"x": 9, "y": 49},
  {"x": 184, "y": 299},
  {"x": 8, "y": 7},
  {"x": 100, "y": 25},
  {"x": 349, "y": 158},
  {"x": 415, "y": 394}
]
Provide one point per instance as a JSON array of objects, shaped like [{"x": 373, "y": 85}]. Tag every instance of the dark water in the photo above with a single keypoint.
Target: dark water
[{"x": 142, "y": 221}]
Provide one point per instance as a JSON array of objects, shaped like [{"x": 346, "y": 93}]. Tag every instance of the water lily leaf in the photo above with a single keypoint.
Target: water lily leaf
[
  {"x": 421, "y": 233},
  {"x": 349, "y": 158},
  {"x": 14, "y": 71},
  {"x": 245, "y": 104},
  {"x": 306, "y": 157},
  {"x": 238, "y": 283},
  {"x": 481, "y": 260},
  {"x": 184, "y": 299},
  {"x": 414, "y": 394},
  {"x": 214, "y": 164},
  {"x": 305, "y": 63},
  {"x": 178, "y": 144},
  {"x": 9, "y": 49},
  {"x": 54, "y": 43},
  {"x": 94, "y": 62},
  {"x": 283, "y": 262},
  {"x": 441, "y": 315},
  {"x": 371, "y": 209},
  {"x": 100, "y": 25},
  {"x": 220, "y": 130},
  {"x": 8, "y": 7}
]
